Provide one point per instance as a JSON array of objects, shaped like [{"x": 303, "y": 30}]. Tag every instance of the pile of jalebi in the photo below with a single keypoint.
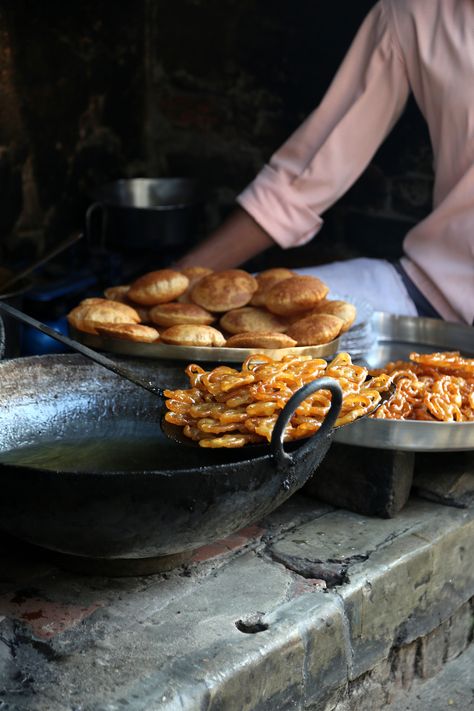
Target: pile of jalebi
[
  {"x": 435, "y": 386},
  {"x": 226, "y": 407}
]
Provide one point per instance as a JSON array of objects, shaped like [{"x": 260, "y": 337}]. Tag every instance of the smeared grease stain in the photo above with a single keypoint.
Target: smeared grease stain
[
  {"x": 22, "y": 596},
  {"x": 32, "y": 615}
]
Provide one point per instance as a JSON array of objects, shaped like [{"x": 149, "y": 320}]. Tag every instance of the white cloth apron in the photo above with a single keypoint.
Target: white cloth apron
[{"x": 375, "y": 281}]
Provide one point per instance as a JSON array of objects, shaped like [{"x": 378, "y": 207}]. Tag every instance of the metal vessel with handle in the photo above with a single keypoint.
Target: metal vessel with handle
[{"x": 173, "y": 500}]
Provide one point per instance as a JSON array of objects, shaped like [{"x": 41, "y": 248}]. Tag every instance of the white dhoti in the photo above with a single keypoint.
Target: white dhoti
[{"x": 374, "y": 281}]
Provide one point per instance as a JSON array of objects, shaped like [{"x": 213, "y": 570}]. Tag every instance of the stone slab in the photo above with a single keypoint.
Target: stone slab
[
  {"x": 246, "y": 632},
  {"x": 359, "y": 480},
  {"x": 400, "y": 578},
  {"x": 446, "y": 478},
  {"x": 452, "y": 689}
]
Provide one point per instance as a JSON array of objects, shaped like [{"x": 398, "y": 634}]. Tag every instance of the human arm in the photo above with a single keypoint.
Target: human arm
[
  {"x": 238, "y": 239},
  {"x": 330, "y": 150},
  {"x": 327, "y": 153}
]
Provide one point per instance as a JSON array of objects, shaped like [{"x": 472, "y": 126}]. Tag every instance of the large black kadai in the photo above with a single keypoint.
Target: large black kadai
[{"x": 85, "y": 469}]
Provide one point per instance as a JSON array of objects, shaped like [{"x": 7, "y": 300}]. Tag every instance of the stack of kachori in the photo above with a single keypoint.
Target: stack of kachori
[
  {"x": 93, "y": 312},
  {"x": 276, "y": 308}
]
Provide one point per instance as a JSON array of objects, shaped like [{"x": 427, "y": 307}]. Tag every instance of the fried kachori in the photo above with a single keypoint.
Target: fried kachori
[
  {"x": 337, "y": 307},
  {"x": 296, "y": 294},
  {"x": 175, "y": 313},
  {"x": 316, "y": 330},
  {"x": 225, "y": 290},
  {"x": 117, "y": 293},
  {"x": 120, "y": 294},
  {"x": 136, "y": 332},
  {"x": 251, "y": 318},
  {"x": 158, "y": 287},
  {"x": 89, "y": 300},
  {"x": 193, "y": 274},
  {"x": 267, "y": 279},
  {"x": 93, "y": 312},
  {"x": 192, "y": 335},
  {"x": 260, "y": 339}
]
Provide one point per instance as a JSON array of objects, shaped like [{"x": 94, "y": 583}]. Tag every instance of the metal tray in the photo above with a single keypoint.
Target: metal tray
[
  {"x": 357, "y": 340},
  {"x": 396, "y": 338},
  {"x": 162, "y": 351}
]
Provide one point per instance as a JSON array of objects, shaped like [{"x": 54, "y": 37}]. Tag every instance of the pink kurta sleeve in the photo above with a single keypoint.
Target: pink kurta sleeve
[{"x": 330, "y": 150}]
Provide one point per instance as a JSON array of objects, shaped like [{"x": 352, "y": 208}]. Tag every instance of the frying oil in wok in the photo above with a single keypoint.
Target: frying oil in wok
[{"x": 121, "y": 445}]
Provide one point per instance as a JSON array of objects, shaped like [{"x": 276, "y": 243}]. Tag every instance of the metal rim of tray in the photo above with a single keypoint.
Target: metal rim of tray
[
  {"x": 398, "y": 334},
  {"x": 161, "y": 351}
]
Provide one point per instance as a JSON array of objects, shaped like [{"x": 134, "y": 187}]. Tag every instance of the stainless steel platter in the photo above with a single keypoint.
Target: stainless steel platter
[
  {"x": 395, "y": 338},
  {"x": 162, "y": 351}
]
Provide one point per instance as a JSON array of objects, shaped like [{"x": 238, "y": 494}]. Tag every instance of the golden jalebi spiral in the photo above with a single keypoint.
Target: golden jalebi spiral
[
  {"x": 226, "y": 407},
  {"x": 438, "y": 387}
]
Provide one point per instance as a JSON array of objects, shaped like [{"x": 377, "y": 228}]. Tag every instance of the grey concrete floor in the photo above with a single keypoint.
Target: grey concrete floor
[
  {"x": 249, "y": 624},
  {"x": 452, "y": 688}
]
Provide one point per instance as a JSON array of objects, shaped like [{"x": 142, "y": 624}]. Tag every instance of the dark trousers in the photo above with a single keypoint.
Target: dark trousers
[{"x": 422, "y": 304}]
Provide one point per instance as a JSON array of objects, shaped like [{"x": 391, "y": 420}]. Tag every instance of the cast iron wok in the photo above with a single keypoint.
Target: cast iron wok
[
  {"x": 170, "y": 430},
  {"x": 125, "y": 505}
]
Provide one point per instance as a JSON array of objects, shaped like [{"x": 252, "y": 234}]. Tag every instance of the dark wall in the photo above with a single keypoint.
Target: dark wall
[
  {"x": 207, "y": 88},
  {"x": 78, "y": 76},
  {"x": 241, "y": 71}
]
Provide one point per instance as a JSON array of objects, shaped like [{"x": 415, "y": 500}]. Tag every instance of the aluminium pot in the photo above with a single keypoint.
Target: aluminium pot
[
  {"x": 86, "y": 470},
  {"x": 144, "y": 213}
]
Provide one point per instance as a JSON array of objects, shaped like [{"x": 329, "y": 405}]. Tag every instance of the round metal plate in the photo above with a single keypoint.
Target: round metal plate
[
  {"x": 396, "y": 338},
  {"x": 162, "y": 351}
]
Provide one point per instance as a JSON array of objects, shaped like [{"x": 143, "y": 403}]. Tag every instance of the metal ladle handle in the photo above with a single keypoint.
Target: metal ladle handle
[
  {"x": 80, "y": 348},
  {"x": 282, "y": 458},
  {"x": 72, "y": 239}
]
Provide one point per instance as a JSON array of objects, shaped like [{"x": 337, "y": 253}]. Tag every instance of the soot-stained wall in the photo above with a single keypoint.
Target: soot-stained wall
[
  {"x": 95, "y": 91},
  {"x": 76, "y": 74}
]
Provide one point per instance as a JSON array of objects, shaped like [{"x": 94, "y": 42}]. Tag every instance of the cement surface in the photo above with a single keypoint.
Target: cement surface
[
  {"x": 246, "y": 626},
  {"x": 451, "y": 689}
]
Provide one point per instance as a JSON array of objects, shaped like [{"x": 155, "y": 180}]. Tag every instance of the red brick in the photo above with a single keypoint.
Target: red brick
[
  {"x": 45, "y": 618},
  {"x": 226, "y": 545}
]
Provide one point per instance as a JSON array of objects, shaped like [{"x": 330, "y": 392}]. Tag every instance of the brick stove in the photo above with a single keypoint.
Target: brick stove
[{"x": 312, "y": 607}]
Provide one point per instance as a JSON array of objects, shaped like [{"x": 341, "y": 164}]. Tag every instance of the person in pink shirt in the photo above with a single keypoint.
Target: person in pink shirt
[{"x": 421, "y": 46}]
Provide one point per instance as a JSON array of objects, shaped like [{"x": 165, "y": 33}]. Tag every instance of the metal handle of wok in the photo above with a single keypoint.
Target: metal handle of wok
[{"x": 282, "y": 458}]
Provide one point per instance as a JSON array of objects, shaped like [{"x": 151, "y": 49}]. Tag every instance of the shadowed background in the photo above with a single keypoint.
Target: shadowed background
[{"x": 96, "y": 91}]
